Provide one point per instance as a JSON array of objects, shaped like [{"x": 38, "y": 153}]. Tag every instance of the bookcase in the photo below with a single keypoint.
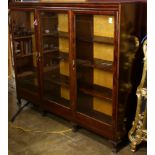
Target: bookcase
[{"x": 78, "y": 60}]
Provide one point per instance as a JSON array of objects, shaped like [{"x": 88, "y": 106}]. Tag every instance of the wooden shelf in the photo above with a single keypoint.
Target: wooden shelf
[
  {"x": 50, "y": 50},
  {"x": 58, "y": 55},
  {"x": 59, "y": 100},
  {"x": 23, "y": 37},
  {"x": 102, "y": 39},
  {"x": 63, "y": 34},
  {"x": 95, "y": 114},
  {"x": 23, "y": 56},
  {"x": 54, "y": 34},
  {"x": 97, "y": 39},
  {"x": 97, "y": 91},
  {"x": 24, "y": 74},
  {"x": 103, "y": 64},
  {"x": 28, "y": 81},
  {"x": 97, "y": 63},
  {"x": 61, "y": 56},
  {"x": 58, "y": 79}
]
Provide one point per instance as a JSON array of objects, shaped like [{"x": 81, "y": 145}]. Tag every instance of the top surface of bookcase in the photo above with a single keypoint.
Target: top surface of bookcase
[{"x": 78, "y": 1}]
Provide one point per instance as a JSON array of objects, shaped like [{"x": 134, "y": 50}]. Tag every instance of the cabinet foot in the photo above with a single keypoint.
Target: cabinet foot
[
  {"x": 44, "y": 113},
  {"x": 115, "y": 146},
  {"x": 75, "y": 127}
]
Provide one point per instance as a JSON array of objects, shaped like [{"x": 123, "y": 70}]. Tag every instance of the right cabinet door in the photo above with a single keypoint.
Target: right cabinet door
[{"x": 95, "y": 35}]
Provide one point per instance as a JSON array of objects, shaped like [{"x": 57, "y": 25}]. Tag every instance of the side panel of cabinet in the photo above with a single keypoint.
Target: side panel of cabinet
[
  {"x": 133, "y": 28},
  {"x": 25, "y": 54}
]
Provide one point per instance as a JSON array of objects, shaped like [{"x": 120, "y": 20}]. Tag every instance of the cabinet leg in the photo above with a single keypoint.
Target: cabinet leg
[
  {"x": 44, "y": 113},
  {"x": 114, "y": 148},
  {"x": 75, "y": 127},
  {"x": 115, "y": 145}
]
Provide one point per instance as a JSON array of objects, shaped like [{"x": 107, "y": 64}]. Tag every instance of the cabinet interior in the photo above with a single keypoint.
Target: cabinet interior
[
  {"x": 94, "y": 55},
  {"x": 55, "y": 50}
]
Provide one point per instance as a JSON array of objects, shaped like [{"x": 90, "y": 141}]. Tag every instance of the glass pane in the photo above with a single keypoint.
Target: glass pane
[
  {"x": 95, "y": 55},
  {"x": 25, "y": 49},
  {"x": 55, "y": 49}
]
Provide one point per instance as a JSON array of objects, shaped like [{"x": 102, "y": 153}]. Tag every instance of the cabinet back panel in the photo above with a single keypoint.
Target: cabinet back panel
[
  {"x": 103, "y": 78},
  {"x": 63, "y": 22},
  {"x": 104, "y": 51},
  {"x": 64, "y": 68},
  {"x": 103, "y": 25},
  {"x": 102, "y": 106},
  {"x": 63, "y": 45}
]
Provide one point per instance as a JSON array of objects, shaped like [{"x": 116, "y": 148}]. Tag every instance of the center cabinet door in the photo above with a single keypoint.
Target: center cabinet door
[
  {"x": 54, "y": 35},
  {"x": 95, "y": 67}
]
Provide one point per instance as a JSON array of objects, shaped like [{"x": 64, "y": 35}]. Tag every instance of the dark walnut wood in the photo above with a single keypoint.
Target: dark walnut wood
[{"x": 64, "y": 66}]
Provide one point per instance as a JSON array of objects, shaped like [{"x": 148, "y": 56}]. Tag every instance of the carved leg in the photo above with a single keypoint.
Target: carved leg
[{"x": 133, "y": 146}]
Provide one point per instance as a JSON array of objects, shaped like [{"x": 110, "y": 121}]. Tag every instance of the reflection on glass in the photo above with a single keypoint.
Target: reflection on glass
[
  {"x": 24, "y": 49},
  {"x": 55, "y": 49},
  {"x": 95, "y": 55}
]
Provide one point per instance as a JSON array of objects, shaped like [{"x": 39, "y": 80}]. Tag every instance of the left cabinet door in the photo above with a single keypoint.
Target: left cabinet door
[{"x": 26, "y": 56}]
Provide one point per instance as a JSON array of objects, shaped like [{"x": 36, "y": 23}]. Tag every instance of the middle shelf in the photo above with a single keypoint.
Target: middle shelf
[
  {"x": 57, "y": 79},
  {"x": 96, "y": 91},
  {"x": 96, "y": 63}
]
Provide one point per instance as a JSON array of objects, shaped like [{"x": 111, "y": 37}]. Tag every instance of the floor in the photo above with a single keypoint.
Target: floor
[{"x": 33, "y": 134}]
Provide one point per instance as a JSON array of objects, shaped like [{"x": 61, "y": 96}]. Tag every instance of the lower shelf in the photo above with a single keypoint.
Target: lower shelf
[
  {"x": 57, "y": 79},
  {"x": 57, "y": 99},
  {"x": 90, "y": 106},
  {"x": 28, "y": 81}
]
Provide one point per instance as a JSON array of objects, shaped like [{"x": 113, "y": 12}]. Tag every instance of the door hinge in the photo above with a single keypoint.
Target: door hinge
[
  {"x": 35, "y": 23},
  {"x": 73, "y": 64},
  {"x": 38, "y": 56}
]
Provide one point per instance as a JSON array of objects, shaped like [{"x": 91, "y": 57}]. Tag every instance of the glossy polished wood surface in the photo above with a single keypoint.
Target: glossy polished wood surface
[{"x": 86, "y": 73}]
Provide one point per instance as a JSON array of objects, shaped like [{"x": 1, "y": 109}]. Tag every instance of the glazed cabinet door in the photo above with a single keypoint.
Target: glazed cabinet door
[
  {"x": 95, "y": 73},
  {"x": 54, "y": 33},
  {"x": 25, "y": 51}
]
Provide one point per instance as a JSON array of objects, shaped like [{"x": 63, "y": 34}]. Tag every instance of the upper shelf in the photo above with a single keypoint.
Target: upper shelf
[
  {"x": 22, "y": 37},
  {"x": 55, "y": 49},
  {"x": 56, "y": 54},
  {"x": 53, "y": 34},
  {"x": 24, "y": 55},
  {"x": 56, "y": 34},
  {"x": 97, "y": 39}
]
